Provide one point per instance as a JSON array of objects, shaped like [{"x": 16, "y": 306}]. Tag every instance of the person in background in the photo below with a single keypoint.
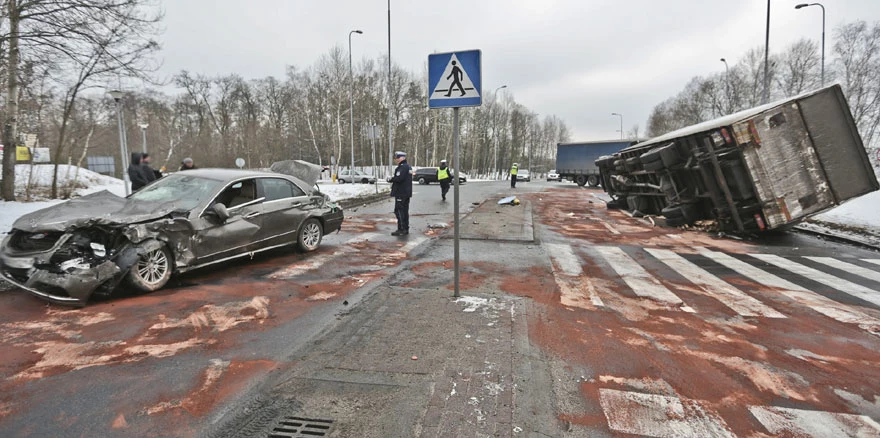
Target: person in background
[
  {"x": 513, "y": 171},
  {"x": 401, "y": 191},
  {"x": 444, "y": 178},
  {"x": 136, "y": 172},
  {"x": 149, "y": 173},
  {"x": 187, "y": 164}
]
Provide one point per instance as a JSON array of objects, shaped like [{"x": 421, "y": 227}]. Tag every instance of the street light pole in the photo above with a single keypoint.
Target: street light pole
[
  {"x": 495, "y": 133},
  {"x": 351, "y": 98},
  {"x": 803, "y": 5},
  {"x": 144, "y": 132},
  {"x": 727, "y": 81},
  {"x": 117, "y": 96},
  {"x": 621, "y": 123}
]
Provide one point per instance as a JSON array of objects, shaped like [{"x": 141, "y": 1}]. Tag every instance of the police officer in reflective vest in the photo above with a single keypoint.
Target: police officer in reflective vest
[
  {"x": 444, "y": 178},
  {"x": 513, "y": 170}
]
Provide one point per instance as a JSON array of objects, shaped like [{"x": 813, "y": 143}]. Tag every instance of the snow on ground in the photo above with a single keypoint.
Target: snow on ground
[
  {"x": 862, "y": 212},
  {"x": 338, "y": 192}
]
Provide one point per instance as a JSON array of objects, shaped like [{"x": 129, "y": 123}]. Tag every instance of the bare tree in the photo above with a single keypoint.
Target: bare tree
[{"x": 799, "y": 70}]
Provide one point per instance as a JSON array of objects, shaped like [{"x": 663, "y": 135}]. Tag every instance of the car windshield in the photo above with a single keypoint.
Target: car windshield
[{"x": 185, "y": 190}]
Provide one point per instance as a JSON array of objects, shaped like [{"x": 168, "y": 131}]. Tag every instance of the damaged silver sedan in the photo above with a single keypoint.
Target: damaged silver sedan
[{"x": 187, "y": 220}]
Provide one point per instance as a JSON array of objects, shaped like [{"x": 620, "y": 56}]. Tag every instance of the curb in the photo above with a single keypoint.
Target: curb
[{"x": 869, "y": 242}]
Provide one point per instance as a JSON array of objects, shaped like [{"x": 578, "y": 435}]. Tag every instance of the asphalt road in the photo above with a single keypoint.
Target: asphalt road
[{"x": 628, "y": 328}]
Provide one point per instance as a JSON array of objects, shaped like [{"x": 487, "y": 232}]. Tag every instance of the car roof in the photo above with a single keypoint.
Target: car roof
[{"x": 222, "y": 174}]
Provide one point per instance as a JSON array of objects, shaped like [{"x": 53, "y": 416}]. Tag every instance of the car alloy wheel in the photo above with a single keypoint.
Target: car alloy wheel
[
  {"x": 152, "y": 270},
  {"x": 153, "y": 267},
  {"x": 310, "y": 235}
]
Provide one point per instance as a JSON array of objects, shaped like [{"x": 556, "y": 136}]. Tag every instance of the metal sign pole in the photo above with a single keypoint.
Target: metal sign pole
[{"x": 455, "y": 172}]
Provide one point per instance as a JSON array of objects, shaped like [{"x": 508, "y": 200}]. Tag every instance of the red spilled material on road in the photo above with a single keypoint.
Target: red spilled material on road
[{"x": 710, "y": 366}]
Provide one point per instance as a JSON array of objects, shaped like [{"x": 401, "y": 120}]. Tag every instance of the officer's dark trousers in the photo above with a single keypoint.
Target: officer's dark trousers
[
  {"x": 444, "y": 188},
  {"x": 401, "y": 211},
  {"x": 512, "y": 181}
]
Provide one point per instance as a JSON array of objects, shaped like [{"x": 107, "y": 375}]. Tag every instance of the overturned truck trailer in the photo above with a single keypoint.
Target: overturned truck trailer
[{"x": 760, "y": 169}]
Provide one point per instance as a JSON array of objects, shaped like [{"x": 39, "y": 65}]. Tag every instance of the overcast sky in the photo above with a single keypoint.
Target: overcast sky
[{"x": 578, "y": 59}]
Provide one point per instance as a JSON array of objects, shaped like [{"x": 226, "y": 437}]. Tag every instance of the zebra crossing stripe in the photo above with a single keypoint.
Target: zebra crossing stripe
[
  {"x": 874, "y": 261},
  {"x": 640, "y": 281},
  {"x": 848, "y": 267},
  {"x": 659, "y": 415},
  {"x": 805, "y": 423},
  {"x": 565, "y": 258},
  {"x": 569, "y": 286},
  {"x": 826, "y": 279},
  {"x": 732, "y": 297},
  {"x": 819, "y": 303}
]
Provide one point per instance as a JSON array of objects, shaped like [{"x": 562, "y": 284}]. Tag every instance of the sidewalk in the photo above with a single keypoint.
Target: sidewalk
[{"x": 411, "y": 360}]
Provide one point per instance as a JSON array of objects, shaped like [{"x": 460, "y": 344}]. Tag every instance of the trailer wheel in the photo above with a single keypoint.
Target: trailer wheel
[
  {"x": 580, "y": 180},
  {"x": 592, "y": 180}
]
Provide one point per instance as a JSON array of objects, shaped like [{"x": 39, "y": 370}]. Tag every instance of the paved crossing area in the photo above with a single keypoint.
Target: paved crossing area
[{"x": 707, "y": 269}]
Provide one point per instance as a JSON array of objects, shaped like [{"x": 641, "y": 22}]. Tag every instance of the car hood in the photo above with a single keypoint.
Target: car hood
[
  {"x": 102, "y": 208},
  {"x": 303, "y": 170}
]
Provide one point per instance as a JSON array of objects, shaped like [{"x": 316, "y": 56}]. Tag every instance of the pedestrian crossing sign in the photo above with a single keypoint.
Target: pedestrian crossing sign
[{"x": 455, "y": 79}]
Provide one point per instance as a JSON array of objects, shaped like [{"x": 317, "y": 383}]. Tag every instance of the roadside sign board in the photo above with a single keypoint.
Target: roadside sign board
[{"x": 455, "y": 79}]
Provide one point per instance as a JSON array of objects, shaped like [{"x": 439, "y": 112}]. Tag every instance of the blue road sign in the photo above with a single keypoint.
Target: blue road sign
[{"x": 455, "y": 79}]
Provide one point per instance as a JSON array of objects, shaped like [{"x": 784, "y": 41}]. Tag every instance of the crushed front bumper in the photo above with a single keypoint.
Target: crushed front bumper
[{"x": 73, "y": 287}]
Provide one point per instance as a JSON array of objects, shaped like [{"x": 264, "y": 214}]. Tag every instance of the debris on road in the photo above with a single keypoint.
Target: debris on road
[{"x": 510, "y": 200}]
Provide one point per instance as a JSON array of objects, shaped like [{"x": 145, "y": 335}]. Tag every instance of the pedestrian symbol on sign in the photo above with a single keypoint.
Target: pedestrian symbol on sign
[{"x": 454, "y": 79}]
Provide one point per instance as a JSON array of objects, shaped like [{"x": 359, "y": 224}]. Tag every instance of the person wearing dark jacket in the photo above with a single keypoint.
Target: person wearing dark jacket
[
  {"x": 401, "y": 191},
  {"x": 136, "y": 172},
  {"x": 444, "y": 178},
  {"x": 149, "y": 173}
]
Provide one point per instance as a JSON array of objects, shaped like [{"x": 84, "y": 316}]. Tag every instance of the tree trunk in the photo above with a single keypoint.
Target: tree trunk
[{"x": 11, "y": 123}]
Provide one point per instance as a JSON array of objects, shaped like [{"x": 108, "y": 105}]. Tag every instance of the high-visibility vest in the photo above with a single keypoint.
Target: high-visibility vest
[
  {"x": 513, "y": 170},
  {"x": 442, "y": 173}
]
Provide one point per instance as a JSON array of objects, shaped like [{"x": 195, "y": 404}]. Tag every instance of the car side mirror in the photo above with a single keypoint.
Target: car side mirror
[{"x": 221, "y": 211}]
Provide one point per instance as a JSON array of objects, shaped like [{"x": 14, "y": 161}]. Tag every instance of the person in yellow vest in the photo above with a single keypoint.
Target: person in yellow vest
[
  {"x": 444, "y": 178},
  {"x": 513, "y": 175}
]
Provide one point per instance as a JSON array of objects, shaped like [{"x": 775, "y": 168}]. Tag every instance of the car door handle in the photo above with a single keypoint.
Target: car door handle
[
  {"x": 252, "y": 215},
  {"x": 296, "y": 204}
]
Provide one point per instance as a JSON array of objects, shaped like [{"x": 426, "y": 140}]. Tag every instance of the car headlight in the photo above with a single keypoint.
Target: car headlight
[{"x": 98, "y": 249}]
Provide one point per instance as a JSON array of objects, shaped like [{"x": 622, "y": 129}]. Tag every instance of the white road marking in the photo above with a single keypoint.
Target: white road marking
[
  {"x": 319, "y": 260},
  {"x": 572, "y": 284},
  {"x": 565, "y": 258},
  {"x": 639, "y": 280},
  {"x": 804, "y": 423},
  {"x": 659, "y": 416},
  {"x": 848, "y": 267},
  {"x": 874, "y": 261},
  {"x": 817, "y": 302},
  {"x": 826, "y": 279},
  {"x": 732, "y": 297},
  {"x": 610, "y": 228}
]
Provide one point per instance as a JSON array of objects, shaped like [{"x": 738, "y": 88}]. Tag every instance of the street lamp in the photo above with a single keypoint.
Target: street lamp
[
  {"x": 495, "y": 133},
  {"x": 144, "y": 132},
  {"x": 117, "y": 96},
  {"x": 804, "y": 5},
  {"x": 621, "y": 123},
  {"x": 727, "y": 81},
  {"x": 351, "y": 97}
]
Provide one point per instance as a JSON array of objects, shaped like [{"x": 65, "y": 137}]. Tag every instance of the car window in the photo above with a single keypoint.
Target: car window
[
  {"x": 238, "y": 193},
  {"x": 185, "y": 190},
  {"x": 277, "y": 188}
]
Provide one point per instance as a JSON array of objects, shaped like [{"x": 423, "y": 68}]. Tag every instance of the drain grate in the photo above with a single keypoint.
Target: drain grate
[{"x": 298, "y": 427}]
